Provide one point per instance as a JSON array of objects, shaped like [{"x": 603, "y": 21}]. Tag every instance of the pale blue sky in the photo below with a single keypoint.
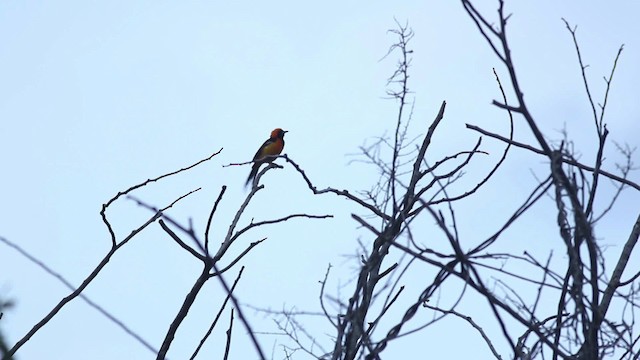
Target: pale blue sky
[{"x": 98, "y": 96}]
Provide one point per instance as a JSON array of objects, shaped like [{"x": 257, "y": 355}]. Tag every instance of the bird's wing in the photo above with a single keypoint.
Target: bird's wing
[{"x": 259, "y": 154}]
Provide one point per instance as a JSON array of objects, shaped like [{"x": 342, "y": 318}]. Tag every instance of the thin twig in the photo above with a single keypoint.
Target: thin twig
[
  {"x": 228, "y": 344},
  {"x": 468, "y": 319},
  {"x": 213, "y": 211}
]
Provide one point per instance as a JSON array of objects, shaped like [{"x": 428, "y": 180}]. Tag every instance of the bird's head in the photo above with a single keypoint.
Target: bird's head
[{"x": 278, "y": 133}]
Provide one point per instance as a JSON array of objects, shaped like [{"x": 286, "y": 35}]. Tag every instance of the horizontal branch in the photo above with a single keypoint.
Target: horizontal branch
[
  {"x": 344, "y": 193},
  {"x": 275, "y": 221},
  {"x": 564, "y": 160}
]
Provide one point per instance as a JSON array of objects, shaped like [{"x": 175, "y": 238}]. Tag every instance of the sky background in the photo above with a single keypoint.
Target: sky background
[{"x": 98, "y": 96}]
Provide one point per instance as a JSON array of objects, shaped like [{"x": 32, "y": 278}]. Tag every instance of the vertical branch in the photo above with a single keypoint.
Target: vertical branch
[
  {"x": 583, "y": 67},
  {"x": 213, "y": 211},
  {"x": 401, "y": 76},
  {"x": 228, "y": 344},
  {"x": 228, "y": 240},
  {"x": 608, "y": 81},
  {"x": 351, "y": 328}
]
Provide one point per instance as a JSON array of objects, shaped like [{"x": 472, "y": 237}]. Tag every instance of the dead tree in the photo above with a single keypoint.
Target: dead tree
[{"x": 584, "y": 285}]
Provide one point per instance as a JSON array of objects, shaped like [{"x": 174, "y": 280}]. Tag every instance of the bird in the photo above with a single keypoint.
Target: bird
[{"x": 271, "y": 147}]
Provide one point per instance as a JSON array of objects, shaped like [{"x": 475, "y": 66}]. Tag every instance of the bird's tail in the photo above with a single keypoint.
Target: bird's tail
[{"x": 253, "y": 173}]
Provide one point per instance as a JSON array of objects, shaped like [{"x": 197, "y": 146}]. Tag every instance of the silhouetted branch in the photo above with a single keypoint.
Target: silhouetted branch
[
  {"x": 80, "y": 288},
  {"x": 564, "y": 159},
  {"x": 468, "y": 319},
  {"x": 213, "y": 211},
  {"x": 82, "y": 296},
  {"x": 215, "y": 320},
  {"x": 182, "y": 313},
  {"x": 228, "y": 345},
  {"x": 144, "y": 183}
]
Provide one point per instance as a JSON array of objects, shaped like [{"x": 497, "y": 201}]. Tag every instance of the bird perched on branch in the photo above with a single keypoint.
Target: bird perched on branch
[{"x": 273, "y": 146}]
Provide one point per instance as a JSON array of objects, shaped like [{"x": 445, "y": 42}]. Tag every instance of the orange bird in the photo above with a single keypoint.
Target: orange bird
[{"x": 273, "y": 146}]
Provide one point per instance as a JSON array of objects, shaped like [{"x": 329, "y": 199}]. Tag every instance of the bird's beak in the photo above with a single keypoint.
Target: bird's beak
[{"x": 285, "y": 131}]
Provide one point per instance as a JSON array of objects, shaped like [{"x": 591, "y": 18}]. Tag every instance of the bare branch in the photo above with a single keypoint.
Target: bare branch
[
  {"x": 213, "y": 211},
  {"x": 144, "y": 183},
  {"x": 584, "y": 75},
  {"x": 235, "y": 261},
  {"x": 614, "y": 282},
  {"x": 215, "y": 320},
  {"x": 228, "y": 345},
  {"x": 182, "y": 313},
  {"x": 82, "y": 296},
  {"x": 81, "y": 288},
  {"x": 343, "y": 193},
  {"x": 275, "y": 221},
  {"x": 564, "y": 159},
  {"x": 243, "y": 319},
  {"x": 468, "y": 319}
]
